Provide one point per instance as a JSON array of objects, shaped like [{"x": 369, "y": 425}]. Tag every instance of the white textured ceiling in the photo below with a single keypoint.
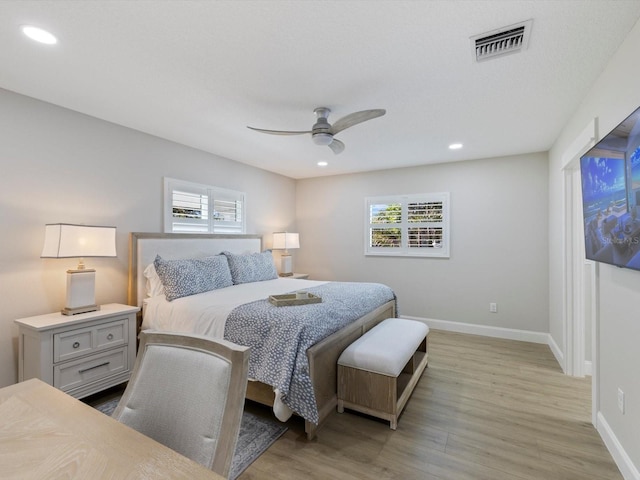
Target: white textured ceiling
[{"x": 199, "y": 72}]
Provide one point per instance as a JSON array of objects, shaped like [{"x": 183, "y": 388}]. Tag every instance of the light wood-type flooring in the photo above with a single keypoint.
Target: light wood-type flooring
[{"x": 485, "y": 408}]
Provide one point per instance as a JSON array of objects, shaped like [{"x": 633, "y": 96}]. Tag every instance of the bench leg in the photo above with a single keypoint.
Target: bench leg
[
  {"x": 394, "y": 422},
  {"x": 340, "y": 406}
]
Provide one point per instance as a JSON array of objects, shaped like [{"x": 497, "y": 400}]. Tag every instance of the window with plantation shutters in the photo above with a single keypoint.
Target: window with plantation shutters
[
  {"x": 195, "y": 208},
  {"x": 408, "y": 225}
]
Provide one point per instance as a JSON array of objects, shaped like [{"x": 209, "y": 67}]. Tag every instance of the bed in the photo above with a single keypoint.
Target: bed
[{"x": 214, "y": 313}]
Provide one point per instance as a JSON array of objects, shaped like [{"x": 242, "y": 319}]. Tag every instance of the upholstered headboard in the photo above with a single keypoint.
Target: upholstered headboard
[{"x": 143, "y": 248}]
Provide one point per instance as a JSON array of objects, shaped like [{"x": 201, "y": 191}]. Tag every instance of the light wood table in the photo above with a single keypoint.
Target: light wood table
[{"x": 45, "y": 433}]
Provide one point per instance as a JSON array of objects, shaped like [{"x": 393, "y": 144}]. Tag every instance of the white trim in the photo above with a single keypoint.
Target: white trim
[
  {"x": 578, "y": 297},
  {"x": 557, "y": 351},
  {"x": 568, "y": 315},
  {"x": 484, "y": 330},
  {"x": 587, "y": 368},
  {"x": 574, "y": 292},
  {"x": 626, "y": 466},
  {"x": 573, "y": 271},
  {"x": 595, "y": 344},
  {"x": 580, "y": 145}
]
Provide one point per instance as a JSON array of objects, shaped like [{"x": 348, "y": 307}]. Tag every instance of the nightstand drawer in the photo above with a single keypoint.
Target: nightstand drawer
[
  {"x": 74, "y": 374},
  {"x": 83, "y": 341}
]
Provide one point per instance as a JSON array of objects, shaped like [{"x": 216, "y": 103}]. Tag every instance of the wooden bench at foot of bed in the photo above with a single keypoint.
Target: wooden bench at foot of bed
[{"x": 378, "y": 372}]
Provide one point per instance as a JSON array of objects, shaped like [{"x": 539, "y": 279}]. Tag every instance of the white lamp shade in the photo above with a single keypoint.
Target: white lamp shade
[
  {"x": 285, "y": 240},
  {"x": 62, "y": 240}
]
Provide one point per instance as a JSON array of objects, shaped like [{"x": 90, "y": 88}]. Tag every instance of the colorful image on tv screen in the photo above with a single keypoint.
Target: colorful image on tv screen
[{"x": 603, "y": 186}]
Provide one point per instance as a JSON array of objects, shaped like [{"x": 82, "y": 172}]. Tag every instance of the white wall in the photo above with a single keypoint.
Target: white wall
[
  {"x": 612, "y": 98},
  {"x": 61, "y": 166},
  {"x": 499, "y": 240}
]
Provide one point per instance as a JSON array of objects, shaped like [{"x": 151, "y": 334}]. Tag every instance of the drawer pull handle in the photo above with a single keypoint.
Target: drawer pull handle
[
  {"x": 91, "y": 368},
  {"x": 110, "y": 336},
  {"x": 76, "y": 344}
]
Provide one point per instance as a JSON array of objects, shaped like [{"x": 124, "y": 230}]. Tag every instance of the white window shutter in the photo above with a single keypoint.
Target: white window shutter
[
  {"x": 408, "y": 225},
  {"x": 195, "y": 208}
]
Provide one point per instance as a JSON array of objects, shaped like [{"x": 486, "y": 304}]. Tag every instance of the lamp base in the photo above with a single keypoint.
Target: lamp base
[
  {"x": 81, "y": 296},
  {"x": 77, "y": 310},
  {"x": 285, "y": 265}
]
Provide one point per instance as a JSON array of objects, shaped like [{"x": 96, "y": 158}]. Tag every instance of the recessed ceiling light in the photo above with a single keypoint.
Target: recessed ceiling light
[
  {"x": 455, "y": 146},
  {"x": 323, "y": 164},
  {"x": 39, "y": 35}
]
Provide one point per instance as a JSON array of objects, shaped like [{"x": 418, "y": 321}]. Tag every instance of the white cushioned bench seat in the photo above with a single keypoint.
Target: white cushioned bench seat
[
  {"x": 387, "y": 348},
  {"x": 378, "y": 372}
]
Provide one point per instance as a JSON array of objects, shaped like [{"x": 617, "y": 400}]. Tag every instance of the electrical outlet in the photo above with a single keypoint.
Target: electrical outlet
[
  {"x": 493, "y": 307},
  {"x": 620, "y": 400}
]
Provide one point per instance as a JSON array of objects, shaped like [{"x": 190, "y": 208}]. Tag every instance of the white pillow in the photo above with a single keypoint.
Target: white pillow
[{"x": 153, "y": 284}]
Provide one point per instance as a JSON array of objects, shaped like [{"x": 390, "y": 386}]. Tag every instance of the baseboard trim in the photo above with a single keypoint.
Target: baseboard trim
[
  {"x": 557, "y": 352},
  {"x": 626, "y": 466},
  {"x": 484, "y": 330}
]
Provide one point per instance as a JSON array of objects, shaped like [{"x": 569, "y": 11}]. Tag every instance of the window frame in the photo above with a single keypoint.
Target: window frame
[
  {"x": 213, "y": 194},
  {"x": 404, "y": 250}
]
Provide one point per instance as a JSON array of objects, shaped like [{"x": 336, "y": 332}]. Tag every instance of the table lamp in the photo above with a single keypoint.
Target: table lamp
[
  {"x": 285, "y": 241},
  {"x": 63, "y": 240}
]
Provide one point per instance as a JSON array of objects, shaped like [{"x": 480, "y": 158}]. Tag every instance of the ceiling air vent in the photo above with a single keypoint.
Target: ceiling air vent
[{"x": 502, "y": 41}]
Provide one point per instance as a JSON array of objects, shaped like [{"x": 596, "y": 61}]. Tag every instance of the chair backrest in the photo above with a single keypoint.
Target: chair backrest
[{"x": 187, "y": 392}]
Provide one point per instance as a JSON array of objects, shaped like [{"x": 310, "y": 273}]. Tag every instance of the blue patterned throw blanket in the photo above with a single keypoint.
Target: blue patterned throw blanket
[{"x": 280, "y": 336}]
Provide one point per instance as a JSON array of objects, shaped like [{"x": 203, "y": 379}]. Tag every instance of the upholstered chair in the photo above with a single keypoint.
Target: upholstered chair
[{"x": 187, "y": 392}]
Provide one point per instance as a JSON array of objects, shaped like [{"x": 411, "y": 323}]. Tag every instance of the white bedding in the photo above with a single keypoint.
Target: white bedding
[{"x": 206, "y": 313}]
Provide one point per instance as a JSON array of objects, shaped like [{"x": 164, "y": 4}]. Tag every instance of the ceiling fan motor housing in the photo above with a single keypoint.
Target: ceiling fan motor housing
[{"x": 321, "y": 131}]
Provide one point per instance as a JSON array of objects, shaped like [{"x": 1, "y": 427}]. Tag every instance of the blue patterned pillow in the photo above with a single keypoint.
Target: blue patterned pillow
[
  {"x": 251, "y": 267},
  {"x": 182, "y": 278}
]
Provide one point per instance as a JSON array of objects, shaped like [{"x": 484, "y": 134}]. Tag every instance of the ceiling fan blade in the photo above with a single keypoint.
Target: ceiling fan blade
[
  {"x": 278, "y": 132},
  {"x": 337, "y": 146},
  {"x": 355, "y": 118}
]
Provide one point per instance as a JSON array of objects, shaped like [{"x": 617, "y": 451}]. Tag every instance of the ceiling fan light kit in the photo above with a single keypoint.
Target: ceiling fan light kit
[
  {"x": 322, "y": 138},
  {"x": 322, "y": 132}
]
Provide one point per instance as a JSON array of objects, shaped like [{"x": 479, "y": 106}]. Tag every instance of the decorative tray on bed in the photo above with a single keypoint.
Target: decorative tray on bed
[{"x": 290, "y": 299}]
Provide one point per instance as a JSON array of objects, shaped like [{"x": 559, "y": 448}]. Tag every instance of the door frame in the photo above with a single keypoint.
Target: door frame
[{"x": 580, "y": 278}]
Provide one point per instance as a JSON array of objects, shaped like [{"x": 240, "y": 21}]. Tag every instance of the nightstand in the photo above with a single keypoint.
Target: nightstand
[
  {"x": 79, "y": 354},
  {"x": 298, "y": 275}
]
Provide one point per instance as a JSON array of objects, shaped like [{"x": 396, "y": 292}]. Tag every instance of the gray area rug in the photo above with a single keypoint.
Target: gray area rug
[{"x": 257, "y": 433}]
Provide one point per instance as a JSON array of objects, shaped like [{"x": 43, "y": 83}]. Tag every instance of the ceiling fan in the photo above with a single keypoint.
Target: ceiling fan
[{"x": 322, "y": 132}]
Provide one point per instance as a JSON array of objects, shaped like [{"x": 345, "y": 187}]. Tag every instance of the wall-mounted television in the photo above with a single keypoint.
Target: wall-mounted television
[{"x": 610, "y": 174}]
